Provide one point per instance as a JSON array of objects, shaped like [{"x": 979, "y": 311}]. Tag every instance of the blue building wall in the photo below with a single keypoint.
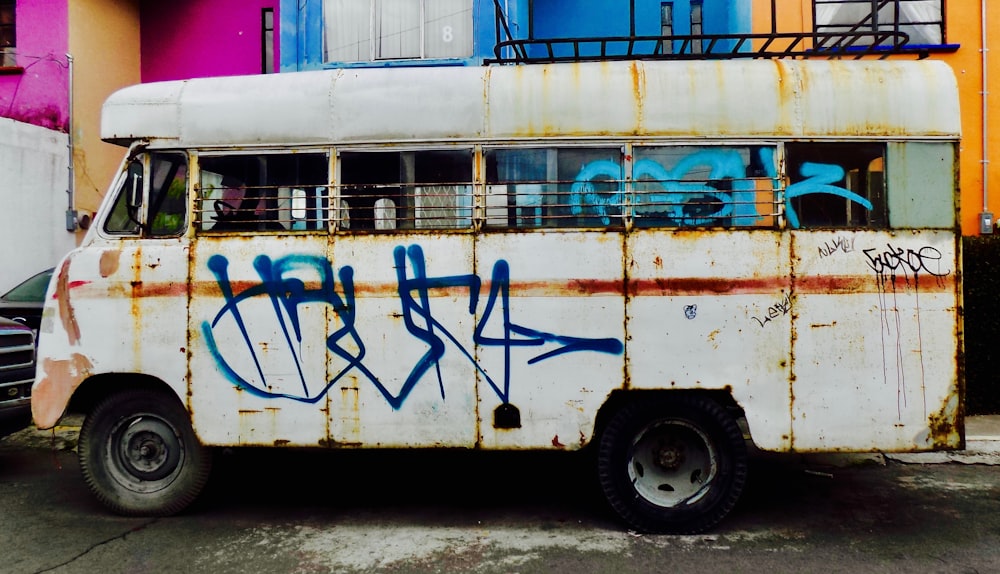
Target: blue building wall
[
  {"x": 301, "y": 27},
  {"x": 302, "y": 36}
]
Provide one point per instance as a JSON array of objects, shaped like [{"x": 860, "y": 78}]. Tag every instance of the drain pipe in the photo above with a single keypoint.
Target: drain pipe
[
  {"x": 986, "y": 217},
  {"x": 70, "y": 209}
]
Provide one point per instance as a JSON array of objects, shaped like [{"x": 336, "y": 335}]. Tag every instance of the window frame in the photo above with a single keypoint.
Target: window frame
[
  {"x": 256, "y": 224},
  {"x": 405, "y": 211},
  {"x": 875, "y": 26},
  {"x": 8, "y": 51},
  {"x": 374, "y": 39},
  {"x": 140, "y": 223},
  {"x": 267, "y": 41}
]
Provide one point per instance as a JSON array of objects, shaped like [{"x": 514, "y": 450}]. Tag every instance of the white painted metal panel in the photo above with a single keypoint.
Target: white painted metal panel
[
  {"x": 258, "y": 340},
  {"x": 591, "y": 99},
  {"x": 116, "y": 308},
  {"x": 408, "y": 104},
  {"x": 255, "y": 109},
  {"x": 871, "y": 98},
  {"x": 713, "y": 311},
  {"x": 875, "y": 360},
  {"x": 717, "y": 99},
  {"x": 564, "y": 320},
  {"x": 405, "y": 375},
  {"x": 143, "y": 111}
]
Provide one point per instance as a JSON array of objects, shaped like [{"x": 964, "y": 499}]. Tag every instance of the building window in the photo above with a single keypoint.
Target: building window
[
  {"x": 922, "y": 20},
  {"x": 267, "y": 41},
  {"x": 667, "y": 25},
  {"x": 696, "y": 26},
  {"x": 369, "y": 30},
  {"x": 8, "y": 38}
]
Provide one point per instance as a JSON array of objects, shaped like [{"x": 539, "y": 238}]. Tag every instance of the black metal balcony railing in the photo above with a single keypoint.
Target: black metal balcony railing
[
  {"x": 859, "y": 41},
  {"x": 703, "y": 47}
]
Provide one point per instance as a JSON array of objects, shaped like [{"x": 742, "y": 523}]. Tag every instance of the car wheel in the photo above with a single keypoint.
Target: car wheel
[
  {"x": 139, "y": 455},
  {"x": 673, "y": 465}
]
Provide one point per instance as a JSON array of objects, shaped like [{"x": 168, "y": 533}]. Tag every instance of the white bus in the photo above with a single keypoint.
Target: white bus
[{"x": 656, "y": 261}]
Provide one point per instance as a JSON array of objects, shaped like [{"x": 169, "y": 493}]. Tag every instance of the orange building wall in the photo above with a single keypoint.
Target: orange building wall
[
  {"x": 963, "y": 25},
  {"x": 104, "y": 43}
]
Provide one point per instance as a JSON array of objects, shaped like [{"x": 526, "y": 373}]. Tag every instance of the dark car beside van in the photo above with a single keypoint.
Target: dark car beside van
[{"x": 17, "y": 373}]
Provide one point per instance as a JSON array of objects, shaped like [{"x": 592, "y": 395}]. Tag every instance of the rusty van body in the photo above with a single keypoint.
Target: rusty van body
[{"x": 628, "y": 256}]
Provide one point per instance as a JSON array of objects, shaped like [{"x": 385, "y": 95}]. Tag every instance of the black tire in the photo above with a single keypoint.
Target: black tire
[
  {"x": 139, "y": 455},
  {"x": 673, "y": 465}
]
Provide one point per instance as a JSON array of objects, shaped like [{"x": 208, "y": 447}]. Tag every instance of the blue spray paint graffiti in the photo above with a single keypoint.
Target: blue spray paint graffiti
[
  {"x": 288, "y": 293},
  {"x": 664, "y": 194},
  {"x": 819, "y": 177}
]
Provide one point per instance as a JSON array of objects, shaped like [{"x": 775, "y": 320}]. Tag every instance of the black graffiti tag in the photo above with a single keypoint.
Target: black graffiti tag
[
  {"x": 839, "y": 244},
  {"x": 777, "y": 310},
  {"x": 895, "y": 260}
]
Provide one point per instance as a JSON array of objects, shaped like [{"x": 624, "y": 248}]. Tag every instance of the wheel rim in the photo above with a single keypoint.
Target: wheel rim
[
  {"x": 672, "y": 463},
  {"x": 146, "y": 453}
]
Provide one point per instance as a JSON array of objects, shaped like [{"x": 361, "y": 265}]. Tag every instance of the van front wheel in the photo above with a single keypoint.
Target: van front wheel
[
  {"x": 674, "y": 465},
  {"x": 139, "y": 454}
]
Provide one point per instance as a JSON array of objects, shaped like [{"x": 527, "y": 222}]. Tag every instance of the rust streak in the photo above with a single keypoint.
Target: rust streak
[
  {"x": 67, "y": 316},
  {"x": 657, "y": 286}
]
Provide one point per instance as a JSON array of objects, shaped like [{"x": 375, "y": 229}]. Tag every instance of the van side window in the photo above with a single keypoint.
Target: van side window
[
  {"x": 405, "y": 190},
  {"x": 123, "y": 219},
  {"x": 836, "y": 185},
  {"x": 554, "y": 187},
  {"x": 263, "y": 192},
  {"x": 167, "y": 195},
  {"x": 153, "y": 205},
  {"x": 704, "y": 186}
]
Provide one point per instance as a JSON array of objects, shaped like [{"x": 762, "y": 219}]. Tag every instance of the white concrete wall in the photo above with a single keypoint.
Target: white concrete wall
[{"x": 34, "y": 165}]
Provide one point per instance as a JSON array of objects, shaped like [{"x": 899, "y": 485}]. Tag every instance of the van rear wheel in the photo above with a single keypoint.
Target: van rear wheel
[
  {"x": 672, "y": 465},
  {"x": 139, "y": 454}
]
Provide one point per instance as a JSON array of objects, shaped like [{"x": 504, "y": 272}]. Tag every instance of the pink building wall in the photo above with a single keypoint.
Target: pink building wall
[
  {"x": 37, "y": 90},
  {"x": 192, "y": 38}
]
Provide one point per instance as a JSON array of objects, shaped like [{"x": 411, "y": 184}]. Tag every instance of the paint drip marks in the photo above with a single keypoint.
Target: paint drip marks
[{"x": 898, "y": 266}]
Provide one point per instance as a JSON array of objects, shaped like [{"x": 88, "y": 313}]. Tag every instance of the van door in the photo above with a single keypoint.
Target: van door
[
  {"x": 132, "y": 281},
  {"x": 260, "y": 298},
  {"x": 402, "y": 358}
]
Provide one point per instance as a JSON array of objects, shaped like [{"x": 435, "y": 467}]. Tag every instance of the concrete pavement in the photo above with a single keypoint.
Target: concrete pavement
[{"x": 982, "y": 445}]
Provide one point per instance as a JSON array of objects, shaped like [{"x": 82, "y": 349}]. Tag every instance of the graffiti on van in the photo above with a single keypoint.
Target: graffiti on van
[
  {"x": 673, "y": 198},
  {"x": 288, "y": 293},
  {"x": 893, "y": 260}
]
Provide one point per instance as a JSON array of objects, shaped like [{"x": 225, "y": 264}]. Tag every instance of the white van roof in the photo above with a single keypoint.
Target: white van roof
[{"x": 688, "y": 99}]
